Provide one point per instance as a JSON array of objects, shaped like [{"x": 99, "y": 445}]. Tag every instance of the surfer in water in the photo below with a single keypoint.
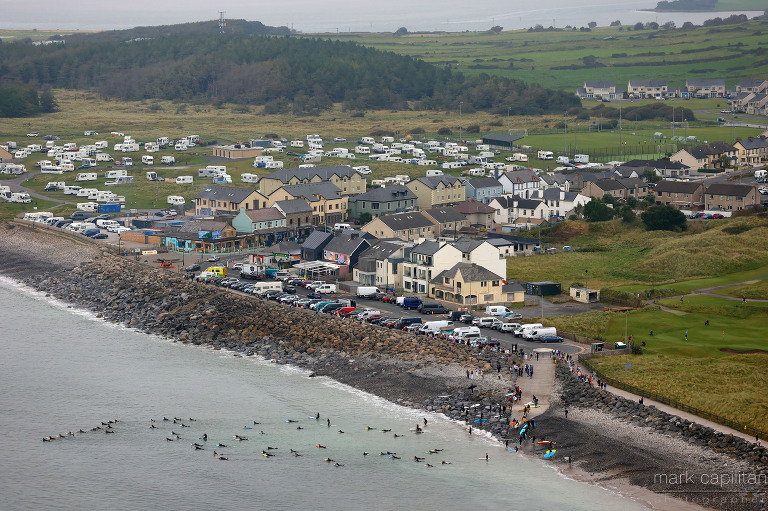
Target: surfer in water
[
  {"x": 328, "y": 421},
  {"x": 317, "y": 416}
]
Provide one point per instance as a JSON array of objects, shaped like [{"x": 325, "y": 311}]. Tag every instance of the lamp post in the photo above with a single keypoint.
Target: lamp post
[
  {"x": 460, "y": 135},
  {"x": 509, "y": 126}
]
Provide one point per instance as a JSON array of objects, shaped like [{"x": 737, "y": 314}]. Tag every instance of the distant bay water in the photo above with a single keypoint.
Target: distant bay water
[
  {"x": 345, "y": 15},
  {"x": 63, "y": 369}
]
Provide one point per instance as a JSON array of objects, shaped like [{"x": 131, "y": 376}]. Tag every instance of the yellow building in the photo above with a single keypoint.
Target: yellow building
[
  {"x": 437, "y": 191},
  {"x": 348, "y": 180},
  {"x": 329, "y": 206}
]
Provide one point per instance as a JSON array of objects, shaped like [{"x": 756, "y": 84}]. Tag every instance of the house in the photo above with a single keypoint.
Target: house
[
  {"x": 705, "y": 88},
  {"x": 468, "y": 284},
  {"x": 478, "y": 215},
  {"x": 756, "y": 105},
  {"x": 579, "y": 179},
  {"x": 298, "y": 215},
  {"x": 380, "y": 266},
  {"x": 345, "y": 248},
  {"x": 600, "y": 89},
  {"x": 382, "y": 201},
  {"x": 519, "y": 182},
  {"x": 285, "y": 253},
  {"x": 559, "y": 203},
  {"x": 226, "y": 200},
  {"x": 232, "y": 152},
  {"x": 754, "y": 86},
  {"x": 680, "y": 194},
  {"x": 482, "y": 188},
  {"x": 437, "y": 191},
  {"x": 5, "y": 156},
  {"x": 329, "y": 206},
  {"x": 448, "y": 221},
  {"x": 713, "y": 155},
  {"x": 515, "y": 293},
  {"x": 554, "y": 180},
  {"x": 312, "y": 247},
  {"x": 428, "y": 258},
  {"x": 407, "y": 226},
  {"x": 619, "y": 188},
  {"x": 500, "y": 141},
  {"x": 509, "y": 208},
  {"x": 207, "y": 236},
  {"x": 663, "y": 167},
  {"x": 348, "y": 180},
  {"x": 522, "y": 245},
  {"x": 730, "y": 197},
  {"x": 506, "y": 247},
  {"x": 751, "y": 151},
  {"x": 647, "y": 88},
  {"x": 265, "y": 219}
]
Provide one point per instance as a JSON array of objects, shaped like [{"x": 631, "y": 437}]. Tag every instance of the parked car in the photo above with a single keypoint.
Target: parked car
[
  {"x": 214, "y": 259},
  {"x": 100, "y": 236},
  {"x": 550, "y": 338},
  {"x": 466, "y": 318},
  {"x": 193, "y": 267}
]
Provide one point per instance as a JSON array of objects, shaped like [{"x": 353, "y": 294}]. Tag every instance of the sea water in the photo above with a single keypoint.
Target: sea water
[{"x": 63, "y": 370}]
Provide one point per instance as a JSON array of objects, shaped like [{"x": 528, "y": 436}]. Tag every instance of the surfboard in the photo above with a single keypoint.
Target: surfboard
[
  {"x": 544, "y": 442},
  {"x": 480, "y": 420},
  {"x": 314, "y": 418},
  {"x": 551, "y": 453}
]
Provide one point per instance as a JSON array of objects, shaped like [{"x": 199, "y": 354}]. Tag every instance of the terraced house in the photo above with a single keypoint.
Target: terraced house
[
  {"x": 405, "y": 226},
  {"x": 600, "y": 89},
  {"x": 437, "y": 191},
  {"x": 680, "y": 194},
  {"x": 647, "y": 88},
  {"x": 226, "y": 200},
  {"x": 382, "y": 201},
  {"x": 705, "y": 88},
  {"x": 329, "y": 206},
  {"x": 751, "y": 151},
  {"x": 730, "y": 197},
  {"x": 348, "y": 180}
]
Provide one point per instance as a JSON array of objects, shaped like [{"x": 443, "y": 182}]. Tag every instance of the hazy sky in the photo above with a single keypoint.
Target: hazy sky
[{"x": 333, "y": 15}]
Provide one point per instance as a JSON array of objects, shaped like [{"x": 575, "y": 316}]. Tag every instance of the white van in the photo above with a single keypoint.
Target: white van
[
  {"x": 520, "y": 332},
  {"x": 86, "y": 176},
  {"x": 340, "y": 226},
  {"x": 537, "y": 333},
  {"x": 435, "y": 327},
  {"x": 546, "y": 155},
  {"x": 167, "y": 160},
  {"x": 326, "y": 288},
  {"x": 563, "y": 160},
  {"x": 499, "y": 310},
  {"x": 365, "y": 291},
  {"x": 103, "y": 157},
  {"x": 581, "y": 158},
  {"x": 486, "y": 322},
  {"x": 508, "y": 327},
  {"x": 148, "y": 160},
  {"x": 176, "y": 200},
  {"x": 466, "y": 332},
  {"x": 106, "y": 224},
  {"x": 184, "y": 180}
]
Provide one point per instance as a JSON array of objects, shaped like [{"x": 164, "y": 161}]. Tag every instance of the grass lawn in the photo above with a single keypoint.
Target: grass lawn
[
  {"x": 10, "y": 210},
  {"x": 758, "y": 290},
  {"x": 696, "y": 371}
]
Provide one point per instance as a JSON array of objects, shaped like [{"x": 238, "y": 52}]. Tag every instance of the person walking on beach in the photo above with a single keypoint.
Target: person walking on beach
[
  {"x": 566, "y": 413},
  {"x": 686, "y": 335},
  {"x": 470, "y": 431}
]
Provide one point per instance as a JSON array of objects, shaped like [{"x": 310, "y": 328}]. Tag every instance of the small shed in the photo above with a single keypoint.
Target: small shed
[
  {"x": 545, "y": 288},
  {"x": 585, "y": 295}
]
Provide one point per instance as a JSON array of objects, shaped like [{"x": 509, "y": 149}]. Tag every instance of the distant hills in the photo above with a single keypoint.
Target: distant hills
[{"x": 254, "y": 64}]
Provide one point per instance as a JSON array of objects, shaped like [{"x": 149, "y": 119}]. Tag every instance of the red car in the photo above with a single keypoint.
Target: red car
[
  {"x": 344, "y": 311},
  {"x": 389, "y": 299},
  {"x": 371, "y": 319},
  {"x": 717, "y": 215}
]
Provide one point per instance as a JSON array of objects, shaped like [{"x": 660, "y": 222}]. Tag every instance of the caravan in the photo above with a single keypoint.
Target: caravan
[
  {"x": 147, "y": 160},
  {"x": 184, "y": 180},
  {"x": 86, "y": 176},
  {"x": 176, "y": 200},
  {"x": 546, "y": 155}
]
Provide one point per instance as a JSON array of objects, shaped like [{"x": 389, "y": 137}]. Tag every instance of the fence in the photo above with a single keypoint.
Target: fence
[{"x": 671, "y": 402}]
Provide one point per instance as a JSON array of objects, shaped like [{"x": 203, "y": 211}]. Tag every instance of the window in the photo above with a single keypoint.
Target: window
[
  {"x": 447, "y": 280},
  {"x": 495, "y": 283}
]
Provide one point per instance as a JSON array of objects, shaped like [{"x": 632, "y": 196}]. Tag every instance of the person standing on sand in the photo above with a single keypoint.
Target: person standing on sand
[{"x": 566, "y": 413}]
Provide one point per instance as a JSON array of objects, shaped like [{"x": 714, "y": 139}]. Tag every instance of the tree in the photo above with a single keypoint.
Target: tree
[
  {"x": 639, "y": 25},
  {"x": 650, "y": 176},
  {"x": 616, "y": 23},
  {"x": 365, "y": 218},
  {"x": 47, "y": 102},
  {"x": 597, "y": 211},
  {"x": 401, "y": 31},
  {"x": 652, "y": 25},
  {"x": 627, "y": 214},
  {"x": 496, "y": 29},
  {"x": 688, "y": 25},
  {"x": 663, "y": 218},
  {"x": 592, "y": 24},
  {"x": 609, "y": 199},
  {"x": 632, "y": 201}
]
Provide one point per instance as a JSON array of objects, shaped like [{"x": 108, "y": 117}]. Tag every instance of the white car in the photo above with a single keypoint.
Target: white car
[
  {"x": 339, "y": 139},
  {"x": 33, "y": 134},
  {"x": 121, "y": 229}
]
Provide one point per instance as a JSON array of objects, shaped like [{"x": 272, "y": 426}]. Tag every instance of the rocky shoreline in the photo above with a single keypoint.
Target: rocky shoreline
[{"x": 603, "y": 433}]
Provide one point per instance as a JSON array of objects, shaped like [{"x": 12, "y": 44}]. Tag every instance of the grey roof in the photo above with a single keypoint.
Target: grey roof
[
  {"x": 195, "y": 226},
  {"x": 471, "y": 206},
  {"x": 521, "y": 176},
  {"x": 427, "y": 248},
  {"x": 663, "y": 163},
  {"x": 434, "y": 181},
  {"x": 313, "y": 191},
  {"x": 316, "y": 240},
  {"x": 347, "y": 241},
  {"x": 608, "y": 184},
  {"x": 528, "y": 203},
  {"x": 554, "y": 194},
  {"x": 325, "y": 173},
  {"x": 385, "y": 194},
  {"x": 627, "y": 172},
  {"x": 292, "y": 206},
  {"x": 512, "y": 288},
  {"x": 506, "y": 201},
  {"x": 600, "y": 84},
  {"x": 466, "y": 245},
  {"x": 500, "y": 137},
  {"x": 469, "y": 272},
  {"x": 632, "y": 182},
  {"x": 410, "y": 220},
  {"x": 754, "y": 143},
  {"x": 648, "y": 83},
  {"x": 677, "y": 187},
  {"x": 286, "y": 247},
  {"x": 444, "y": 215},
  {"x": 749, "y": 83},
  {"x": 380, "y": 251},
  {"x": 554, "y": 178},
  {"x": 729, "y": 189},
  {"x": 225, "y": 193},
  {"x": 484, "y": 182},
  {"x": 500, "y": 242}
]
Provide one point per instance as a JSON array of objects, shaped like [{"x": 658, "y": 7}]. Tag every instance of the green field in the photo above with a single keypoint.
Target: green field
[
  {"x": 696, "y": 371},
  {"x": 731, "y": 52}
]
